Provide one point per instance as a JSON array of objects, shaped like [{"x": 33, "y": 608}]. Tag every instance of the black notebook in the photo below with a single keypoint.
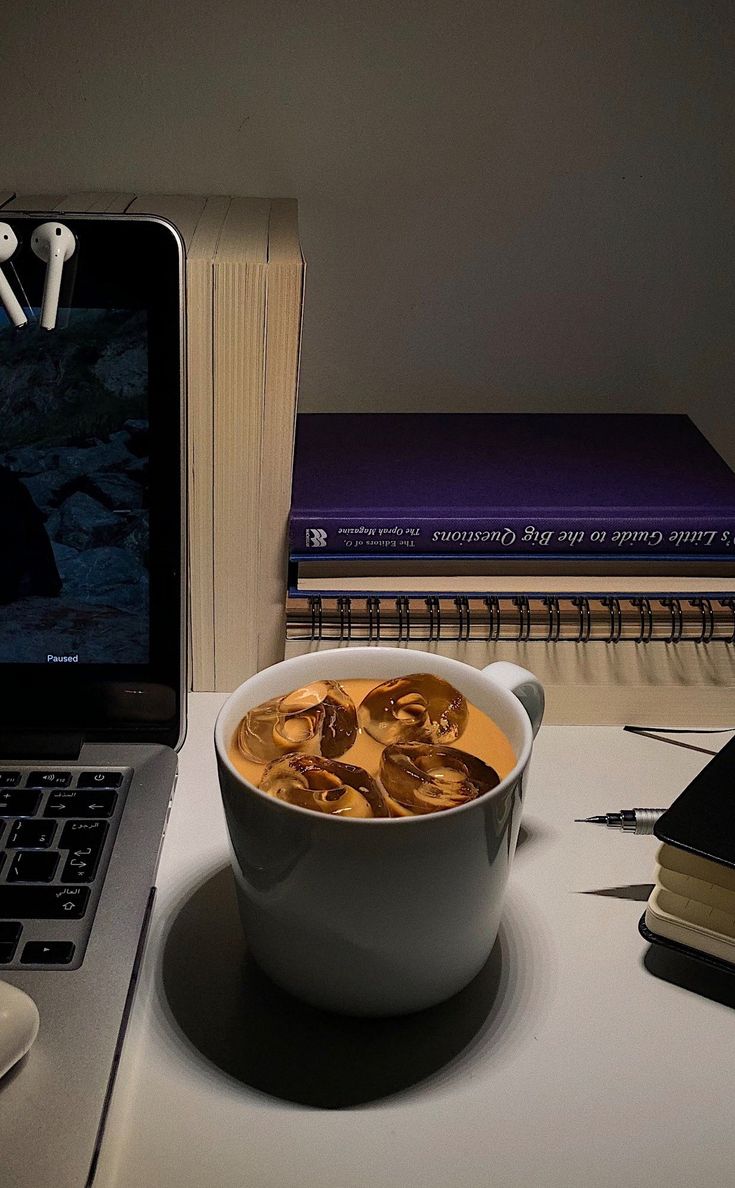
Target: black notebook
[{"x": 692, "y": 906}]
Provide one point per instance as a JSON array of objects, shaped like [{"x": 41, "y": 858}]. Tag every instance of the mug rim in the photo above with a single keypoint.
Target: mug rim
[{"x": 504, "y": 694}]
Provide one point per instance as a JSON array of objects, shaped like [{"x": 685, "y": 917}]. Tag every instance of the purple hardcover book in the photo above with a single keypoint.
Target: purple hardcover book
[{"x": 411, "y": 484}]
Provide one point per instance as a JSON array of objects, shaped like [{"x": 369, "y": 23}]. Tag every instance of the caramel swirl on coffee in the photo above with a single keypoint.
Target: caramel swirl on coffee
[
  {"x": 416, "y": 708},
  {"x": 324, "y": 785},
  {"x": 317, "y": 719},
  {"x": 425, "y": 779}
]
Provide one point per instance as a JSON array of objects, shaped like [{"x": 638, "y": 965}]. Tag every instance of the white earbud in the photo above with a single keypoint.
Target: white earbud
[
  {"x": 8, "y": 244},
  {"x": 54, "y": 243}
]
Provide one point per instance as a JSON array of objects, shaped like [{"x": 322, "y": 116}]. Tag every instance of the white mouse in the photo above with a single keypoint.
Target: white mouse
[{"x": 18, "y": 1025}]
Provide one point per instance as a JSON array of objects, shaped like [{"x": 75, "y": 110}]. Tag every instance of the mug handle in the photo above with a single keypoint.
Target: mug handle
[{"x": 523, "y": 684}]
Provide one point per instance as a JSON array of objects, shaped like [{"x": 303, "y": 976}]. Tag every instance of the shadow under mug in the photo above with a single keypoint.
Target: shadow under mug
[{"x": 378, "y": 916}]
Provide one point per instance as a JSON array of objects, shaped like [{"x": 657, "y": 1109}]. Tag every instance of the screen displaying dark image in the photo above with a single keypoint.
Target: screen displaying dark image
[{"x": 74, "y": 490}]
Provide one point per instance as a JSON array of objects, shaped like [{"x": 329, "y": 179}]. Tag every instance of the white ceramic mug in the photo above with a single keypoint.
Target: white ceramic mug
[{"x": 378, "y": 916}]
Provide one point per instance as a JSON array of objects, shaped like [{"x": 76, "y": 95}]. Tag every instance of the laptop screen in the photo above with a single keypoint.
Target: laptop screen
[
  {"x": 90, "y": 482},
  {"x": 74, "y": 491}
]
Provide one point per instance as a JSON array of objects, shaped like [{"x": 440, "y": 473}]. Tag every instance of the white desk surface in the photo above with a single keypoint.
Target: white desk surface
[{"x": 574, "y": 1059}]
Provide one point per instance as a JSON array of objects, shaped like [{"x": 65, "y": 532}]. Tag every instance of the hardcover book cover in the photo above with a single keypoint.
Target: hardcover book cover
[
  {"x": 702, "y": 818},
  {"x": 494, "y": 484}
]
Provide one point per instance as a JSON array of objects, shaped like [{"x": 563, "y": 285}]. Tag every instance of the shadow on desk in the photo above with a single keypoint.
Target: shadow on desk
[
  {"x": 691, "y": 974},
  {"x": 232, "y": 1014}
]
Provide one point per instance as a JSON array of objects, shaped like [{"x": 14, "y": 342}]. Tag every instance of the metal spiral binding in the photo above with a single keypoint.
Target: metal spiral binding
[
  {"x": 373, "y": 610},
  {"x": 552, "y": 606},
  {"x": 344, "y": 606},
  {"x": 585, "y": 618},
  {"x": 644, "y": 606},
  {"x": 677, "y": 619},
  {"x": 435, "y": 618},
  {"x": 404, "y": 619},
  {"x": 315, "y": 607},
  {"x": 708, "y": 618},
  {"x": 523, "y": 618},
  {"x": 730, "y": 604},
  {"x": 493, "y": 613},
  {"x": 464, "y": 618},
  {"x": 616, "y": 621}
]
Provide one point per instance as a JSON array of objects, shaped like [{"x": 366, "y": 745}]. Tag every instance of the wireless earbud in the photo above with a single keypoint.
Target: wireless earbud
[
  {"x": 54, "y": 243},
  {"x": 8, "y": 244}
]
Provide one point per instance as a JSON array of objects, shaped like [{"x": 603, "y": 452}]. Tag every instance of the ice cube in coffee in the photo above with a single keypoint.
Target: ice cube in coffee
[
  {"x": 317, "y": 719},
  {"x": 425, "y": 779},
  {"x": 419, "y": 708},
  {"x": 325, "y": 785}
]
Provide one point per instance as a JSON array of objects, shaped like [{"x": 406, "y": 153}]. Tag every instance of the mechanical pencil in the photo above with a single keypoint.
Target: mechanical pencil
[{"x": 637, "y": 820}]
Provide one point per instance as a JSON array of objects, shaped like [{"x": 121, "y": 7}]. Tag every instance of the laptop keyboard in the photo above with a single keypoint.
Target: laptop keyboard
[{"x": 57, "y": 828}]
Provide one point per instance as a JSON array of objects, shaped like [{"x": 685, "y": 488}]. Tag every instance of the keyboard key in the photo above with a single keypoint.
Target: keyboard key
[
  {"x": 84, "y": 852},
  {"x": 43, "y": 903},
  {"x": 29, "y": 835},
  {"x": 47, "y": 953},
  {"x": 7, "y": 951},
  {"x": 81, "y": 804},
  {"x": 80, "y": 867},
  {"x": 83, "y": 833},
  {"x": 10, "y": 930},
  {"x": 49, "y": 779},
  {"x": 19, "y": 803},
  {"x": 100, "y": 779},
  {"x": 9, "y": 779},
  {"x": 33, "y": 866}
]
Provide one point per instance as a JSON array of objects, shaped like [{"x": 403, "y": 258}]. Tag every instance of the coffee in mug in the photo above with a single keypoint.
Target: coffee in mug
[
  {"x": 364, "y": 748},
  {"x": 375, "y": 914}
]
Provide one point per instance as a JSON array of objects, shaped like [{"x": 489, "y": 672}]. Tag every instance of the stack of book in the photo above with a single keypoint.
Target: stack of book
[
  {"x": 597, "y": 550},
  {"x": 245, "y": 280}
]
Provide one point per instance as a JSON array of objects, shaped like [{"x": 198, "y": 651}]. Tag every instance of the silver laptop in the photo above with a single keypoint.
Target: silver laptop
[{"x": 92, "y": 661}]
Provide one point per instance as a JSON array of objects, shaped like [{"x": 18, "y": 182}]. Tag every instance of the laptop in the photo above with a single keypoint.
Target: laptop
[{"x": 92, "y": 661}]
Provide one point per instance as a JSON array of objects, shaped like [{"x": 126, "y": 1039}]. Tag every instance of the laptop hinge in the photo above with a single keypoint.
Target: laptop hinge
[{"x": 20, "y": 744}]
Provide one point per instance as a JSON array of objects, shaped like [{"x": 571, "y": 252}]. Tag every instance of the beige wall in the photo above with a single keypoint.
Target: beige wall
[{"x": 519, "y": 204}]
